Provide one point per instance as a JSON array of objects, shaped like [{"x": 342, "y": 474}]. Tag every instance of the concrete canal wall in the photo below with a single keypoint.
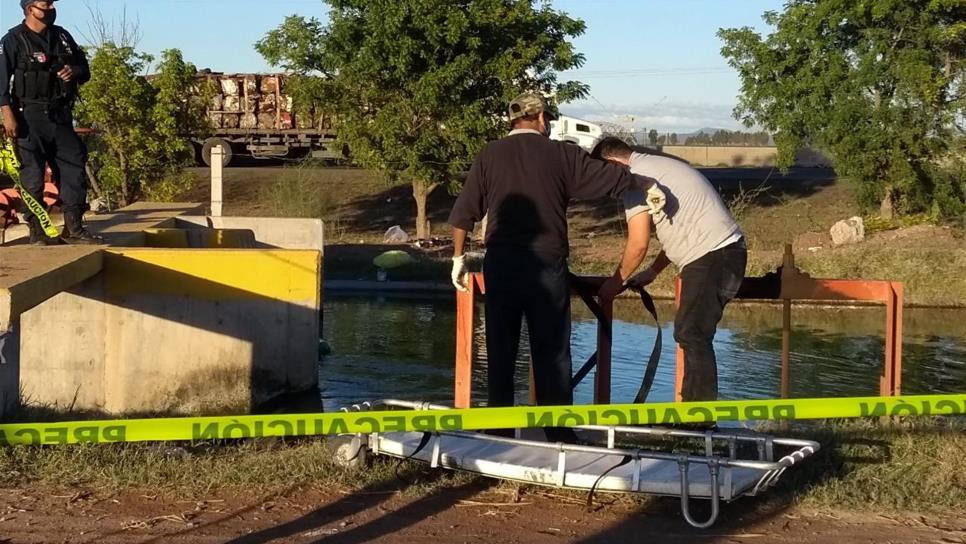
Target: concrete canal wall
[{"x": 209, "y": 321}]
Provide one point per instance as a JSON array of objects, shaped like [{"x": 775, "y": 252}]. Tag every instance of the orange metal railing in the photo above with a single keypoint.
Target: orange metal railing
[{"x": 787, "y": 284}]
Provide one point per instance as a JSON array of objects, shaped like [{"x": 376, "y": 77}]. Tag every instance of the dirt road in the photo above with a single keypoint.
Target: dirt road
[{"x": 473, "y": 513}]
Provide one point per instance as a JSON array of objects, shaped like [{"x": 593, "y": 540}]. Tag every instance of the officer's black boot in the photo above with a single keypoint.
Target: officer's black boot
[
  {"x": 75, "y": 233},
  {"x": 37, "y": 235}
]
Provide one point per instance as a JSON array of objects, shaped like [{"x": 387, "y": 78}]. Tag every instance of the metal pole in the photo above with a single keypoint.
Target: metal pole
[
  {"x": 786, "y": 347},
  {"x": 464, "y": 344},
  {"x": 788, "y": 265}
]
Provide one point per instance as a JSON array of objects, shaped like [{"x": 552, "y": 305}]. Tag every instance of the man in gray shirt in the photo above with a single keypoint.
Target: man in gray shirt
[{"x": 700, "y": 236}]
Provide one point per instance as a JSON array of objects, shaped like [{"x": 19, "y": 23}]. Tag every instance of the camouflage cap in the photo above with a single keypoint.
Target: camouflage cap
[{"x": 531, "y": 104}]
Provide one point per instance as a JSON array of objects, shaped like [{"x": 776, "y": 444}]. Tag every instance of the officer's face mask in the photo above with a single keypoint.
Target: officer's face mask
[{"x": 46, "y": 16}]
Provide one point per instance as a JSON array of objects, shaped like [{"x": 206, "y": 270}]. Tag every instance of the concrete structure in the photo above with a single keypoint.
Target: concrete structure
[
  {"x": 174, "y": 330},
  {"x": 177, "y": 331},
  {"x": 288, "y": 233}
]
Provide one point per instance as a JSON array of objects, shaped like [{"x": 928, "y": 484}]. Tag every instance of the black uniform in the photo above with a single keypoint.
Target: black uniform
[
  {"x": 524, "y": 182},
  {"x": 42, "y": 102}
]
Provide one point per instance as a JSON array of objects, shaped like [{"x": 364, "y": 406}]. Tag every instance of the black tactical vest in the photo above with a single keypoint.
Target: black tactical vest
[{"x": 35, "y": 78}]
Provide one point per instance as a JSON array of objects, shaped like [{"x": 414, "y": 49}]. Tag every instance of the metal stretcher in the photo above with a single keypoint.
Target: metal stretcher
[{"x": 716, "y": 474}]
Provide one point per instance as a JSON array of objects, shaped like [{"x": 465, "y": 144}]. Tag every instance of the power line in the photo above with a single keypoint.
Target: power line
[{"x": 622, "y": 74}]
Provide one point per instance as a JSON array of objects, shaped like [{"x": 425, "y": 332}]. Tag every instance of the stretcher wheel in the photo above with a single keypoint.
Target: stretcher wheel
[{"x": 348, "y": 451}]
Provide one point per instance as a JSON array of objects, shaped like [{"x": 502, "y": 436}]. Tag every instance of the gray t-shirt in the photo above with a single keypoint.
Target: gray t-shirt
[{"x": 696, "y": 220}]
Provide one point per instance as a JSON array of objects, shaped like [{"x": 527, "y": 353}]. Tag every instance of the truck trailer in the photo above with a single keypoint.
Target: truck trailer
[{"x": 252, "y": 115}]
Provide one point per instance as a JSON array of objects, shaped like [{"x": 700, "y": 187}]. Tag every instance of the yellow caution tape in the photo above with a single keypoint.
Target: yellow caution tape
[
  {"x": 10, "y": 165},
  {"x": 217, "y": 428}
]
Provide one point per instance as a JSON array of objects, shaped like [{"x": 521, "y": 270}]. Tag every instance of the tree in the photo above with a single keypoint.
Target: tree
[
  {"x": 877, "y": 84},
  {"x": 139, "y": 146},
  {"x": 417, "y": 88},
  {"x": 674, "y": 138},
  {"x": 652, "y": 137}
]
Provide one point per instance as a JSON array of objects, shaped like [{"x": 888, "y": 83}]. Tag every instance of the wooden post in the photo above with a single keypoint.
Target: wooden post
[
  {"x": 464, "y": 345},
  {"x": 897, "y": 360},
  {"x": 788, "y": 268},
  {"x": 890, "y": 383},
  {"x": 217, "y": 154},
  {"x": 531, "y": 385},
  {"x": 602, "y": 377},
  {"x": 786, "y": 347}
]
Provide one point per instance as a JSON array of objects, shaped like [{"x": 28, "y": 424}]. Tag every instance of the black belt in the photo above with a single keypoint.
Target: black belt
[{"x": 586, "y": 292}]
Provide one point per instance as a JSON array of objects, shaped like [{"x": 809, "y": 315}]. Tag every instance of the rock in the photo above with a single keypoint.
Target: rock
[
  {"x": 396, "y": 235},
  {"x": 848, "y": 231}
]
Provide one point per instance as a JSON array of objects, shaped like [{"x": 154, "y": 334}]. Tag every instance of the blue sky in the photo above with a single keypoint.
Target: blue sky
[{"x": 649, "y": 63}]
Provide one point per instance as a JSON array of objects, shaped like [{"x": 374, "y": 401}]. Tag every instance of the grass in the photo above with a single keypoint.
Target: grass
[
  {"x": 910, "y": 466},
  {"x": 916, "y": 465},
  {"x": 268, "y": 465},
  {"x": 296, "y": 193}
]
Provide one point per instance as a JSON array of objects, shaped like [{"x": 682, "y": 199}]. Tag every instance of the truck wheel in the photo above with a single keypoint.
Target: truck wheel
[{"x": 211, "y": 143}]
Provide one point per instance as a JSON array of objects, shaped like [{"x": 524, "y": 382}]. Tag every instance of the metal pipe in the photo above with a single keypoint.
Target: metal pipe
[{"x": 685, "y": 492}]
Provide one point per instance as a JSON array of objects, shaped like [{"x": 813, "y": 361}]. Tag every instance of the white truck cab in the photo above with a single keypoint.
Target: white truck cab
[{"x": 576, "y": 131}]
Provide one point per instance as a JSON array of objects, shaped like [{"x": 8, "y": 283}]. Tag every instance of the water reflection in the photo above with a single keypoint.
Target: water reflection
[{"x": 403, "y": 348}]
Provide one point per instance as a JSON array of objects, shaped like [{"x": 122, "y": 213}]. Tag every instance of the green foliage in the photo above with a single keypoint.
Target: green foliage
[
  {"x": 419, "y": 87},
  {"x": 295, "y": 193},
  {"x": 876, "y": 84},
  {"x": 139, "y": 148},
  {"x": 177, "y": 110}
]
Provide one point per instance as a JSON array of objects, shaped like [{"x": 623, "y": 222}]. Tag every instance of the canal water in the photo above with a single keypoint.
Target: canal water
[{"x": 386, "y": 347}]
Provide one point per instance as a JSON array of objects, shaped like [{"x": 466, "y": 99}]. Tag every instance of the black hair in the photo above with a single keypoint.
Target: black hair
[{"x": 611, "y": 147}]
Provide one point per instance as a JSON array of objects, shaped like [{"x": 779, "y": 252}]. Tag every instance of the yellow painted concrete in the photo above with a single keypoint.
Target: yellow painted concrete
[
  {"x": 29, "y": 275},
  {"x": 199, "y": 238},
  {"x": 128, "y": 329},
  {"x": 183, "y": 331},
  {"x": 285, "y": 275}
]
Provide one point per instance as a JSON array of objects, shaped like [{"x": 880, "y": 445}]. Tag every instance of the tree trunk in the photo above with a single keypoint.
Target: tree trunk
[
  {"x": 92, "y": 179},
  {"x": 886, "y": 209},
  {"x": 125, "y": 194},
  {"x": 421, "y": 192}
]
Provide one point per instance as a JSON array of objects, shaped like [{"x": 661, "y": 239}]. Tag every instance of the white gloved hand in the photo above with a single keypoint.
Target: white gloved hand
[
  {"x": 656, "y": 199},
  {"x": 458, "y": 274}
]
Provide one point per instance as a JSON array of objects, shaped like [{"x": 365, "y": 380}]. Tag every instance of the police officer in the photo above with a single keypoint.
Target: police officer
[{"x": 41, "y": 67}]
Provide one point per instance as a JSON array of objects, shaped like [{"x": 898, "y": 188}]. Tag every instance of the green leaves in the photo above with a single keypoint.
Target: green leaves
[
  {"x": 419, "y": 86},
  {"x": 877, "y": 84},
  {"x": 141, "y": 125}
]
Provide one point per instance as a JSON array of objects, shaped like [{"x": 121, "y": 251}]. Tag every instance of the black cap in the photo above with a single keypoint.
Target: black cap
[{"x": 25, "y": 3}]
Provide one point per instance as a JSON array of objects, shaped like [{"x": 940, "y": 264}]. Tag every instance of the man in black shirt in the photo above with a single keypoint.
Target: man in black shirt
[
  {"x": 524, "y": 182},
  {"x": 41, "y": 67}
]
